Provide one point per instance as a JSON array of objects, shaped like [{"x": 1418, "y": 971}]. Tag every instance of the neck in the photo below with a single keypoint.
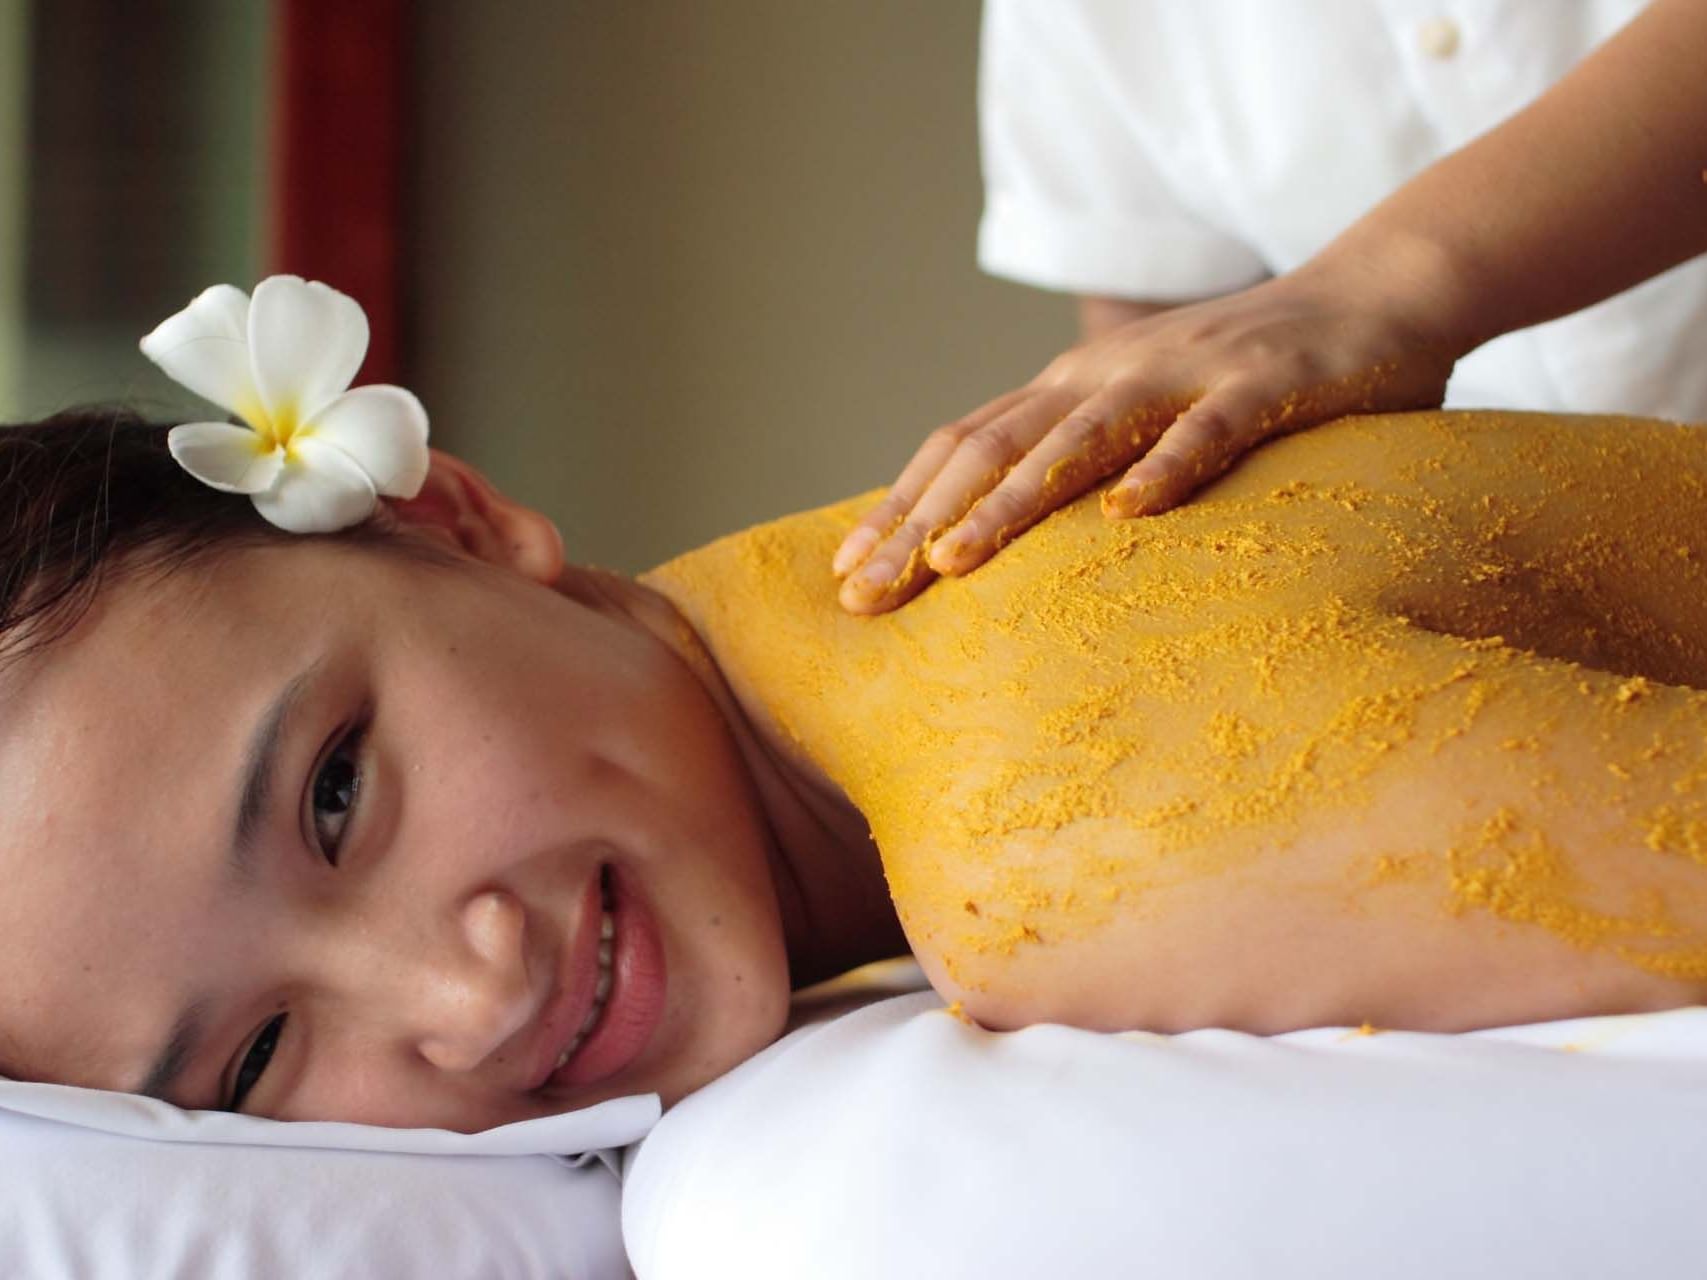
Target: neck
[{"x": 835, "y": 904}]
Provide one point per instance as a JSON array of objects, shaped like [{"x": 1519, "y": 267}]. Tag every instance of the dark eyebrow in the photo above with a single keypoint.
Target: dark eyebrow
[
  {"x": 258, "y": 762},
  {"x": 180, "y": 1050}
]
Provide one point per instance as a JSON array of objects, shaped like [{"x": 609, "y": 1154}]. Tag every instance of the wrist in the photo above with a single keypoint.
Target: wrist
[{"x": 1414, "y": 282}]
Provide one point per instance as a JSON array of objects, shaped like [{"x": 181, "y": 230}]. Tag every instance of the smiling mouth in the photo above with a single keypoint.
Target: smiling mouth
[
  {"x": 627, "y": 987},
  {"x": 607, "y": 953}
]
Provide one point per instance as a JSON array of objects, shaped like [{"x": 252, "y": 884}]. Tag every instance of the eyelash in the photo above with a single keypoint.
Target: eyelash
[
  {"x": 347, "y": 748},
  {"x": 255, "y": 1061}
]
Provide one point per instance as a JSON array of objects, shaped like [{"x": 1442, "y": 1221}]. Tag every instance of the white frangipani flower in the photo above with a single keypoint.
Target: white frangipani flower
[{"x": 314, "y": 456}]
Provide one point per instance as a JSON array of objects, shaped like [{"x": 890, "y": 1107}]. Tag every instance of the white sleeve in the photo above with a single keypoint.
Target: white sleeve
[{"x": 1072, "y": 198}]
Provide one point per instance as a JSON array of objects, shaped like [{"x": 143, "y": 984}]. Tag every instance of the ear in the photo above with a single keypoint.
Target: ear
[{"x": 459, "y": 506}]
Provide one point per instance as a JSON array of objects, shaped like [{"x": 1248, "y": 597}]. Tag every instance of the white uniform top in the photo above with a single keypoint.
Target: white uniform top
[{"x": 1163, "y": 150}]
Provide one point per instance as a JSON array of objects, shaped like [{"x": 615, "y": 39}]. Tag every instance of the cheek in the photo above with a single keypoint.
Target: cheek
[
  {"x": 487, "y": 801},
  {"x": 710, "y": 872},
  {"x": 728, "y": 975},
  {"x": 585, "y": 732},
  {"x": 349, "y": 1081}
]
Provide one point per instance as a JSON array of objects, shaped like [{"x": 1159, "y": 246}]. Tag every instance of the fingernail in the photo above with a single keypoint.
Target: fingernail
[
  {"x": 1130, "y": 496},
  {"x": 949, "y": 551},
  {"x": 874, "y": 577},
  {"x": 855, "y": 547}
]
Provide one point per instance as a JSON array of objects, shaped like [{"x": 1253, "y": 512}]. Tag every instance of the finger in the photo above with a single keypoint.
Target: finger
[
  {"x": 882, "y": 520},
  {"x": 1104, "y": 432},
  {"x": 1201, "y": 444},
  {"x": 894, "y": 582},
  {"x": 898, "y": 570}
]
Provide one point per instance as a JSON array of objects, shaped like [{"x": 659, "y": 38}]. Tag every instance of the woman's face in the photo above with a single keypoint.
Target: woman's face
[{"x": 380, "y": 799}]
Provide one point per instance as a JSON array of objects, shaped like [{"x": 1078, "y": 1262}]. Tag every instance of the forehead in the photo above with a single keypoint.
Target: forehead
[
  {"x": 154, "y": 655},
  {"x": 168, "y": 670}
]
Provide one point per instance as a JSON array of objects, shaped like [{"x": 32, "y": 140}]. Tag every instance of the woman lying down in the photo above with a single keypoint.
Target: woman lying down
[{"x": 408, "y": 822}]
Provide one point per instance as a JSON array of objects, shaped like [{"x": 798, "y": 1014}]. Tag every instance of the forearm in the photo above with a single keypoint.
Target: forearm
[{"x": 1595, "y": 187}]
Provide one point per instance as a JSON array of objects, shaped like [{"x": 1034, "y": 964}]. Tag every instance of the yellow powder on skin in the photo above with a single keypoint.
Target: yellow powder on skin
[
  {"x": 1518, "y": 875},
  {"x": 1360, "y": 1033},
  {"x": 957, "y": 1011},
  {"x": 1108, "y": 711}
]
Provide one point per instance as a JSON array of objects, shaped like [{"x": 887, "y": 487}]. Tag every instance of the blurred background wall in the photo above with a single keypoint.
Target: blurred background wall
[
  {"x": 671, "y": 266},
  {"x": 14, "y": 88},
  {"x": 132, "y": 166}
]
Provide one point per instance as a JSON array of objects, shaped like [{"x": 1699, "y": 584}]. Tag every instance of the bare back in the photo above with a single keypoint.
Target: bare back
[{"x": 1401, "y": 721}]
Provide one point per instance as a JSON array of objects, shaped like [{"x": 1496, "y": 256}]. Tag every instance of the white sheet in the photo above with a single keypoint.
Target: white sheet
[
  {"x": 896, "y": 1141},
  {"x": 96, "y": 1185}
]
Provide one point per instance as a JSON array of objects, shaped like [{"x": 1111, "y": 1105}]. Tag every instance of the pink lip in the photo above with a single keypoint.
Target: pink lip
[
  {"x": 566, "y": 1006},
  {"x": 636, "y": 1003}
]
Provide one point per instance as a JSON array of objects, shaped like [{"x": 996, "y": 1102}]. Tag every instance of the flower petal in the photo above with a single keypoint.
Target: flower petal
[
  {"x": 205, "y": 347},
  {"x": 384, "y": 429},
  {"x": 306, "y": 341},
  {"x": 321, "y": 490},
  {"x": 234, "y": 459}
]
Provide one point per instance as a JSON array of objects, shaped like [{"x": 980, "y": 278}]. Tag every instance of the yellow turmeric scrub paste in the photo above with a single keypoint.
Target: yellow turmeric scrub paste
[{"x": 1402, "y": 722}]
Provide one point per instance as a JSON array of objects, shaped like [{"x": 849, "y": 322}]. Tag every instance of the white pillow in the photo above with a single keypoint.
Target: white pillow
[
  {"x": 896, "y": 1141},
  {"x": 96, "y": 1184}
]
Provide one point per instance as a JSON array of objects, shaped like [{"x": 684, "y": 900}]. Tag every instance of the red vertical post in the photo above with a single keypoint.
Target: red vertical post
[{"x": 338, "y": 156}]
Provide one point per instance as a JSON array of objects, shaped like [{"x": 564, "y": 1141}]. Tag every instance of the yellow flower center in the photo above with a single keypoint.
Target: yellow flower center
[{"x": 274, "y": 430}]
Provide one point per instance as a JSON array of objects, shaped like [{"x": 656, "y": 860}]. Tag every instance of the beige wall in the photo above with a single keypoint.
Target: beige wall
[{"x": 686, "y": 264}]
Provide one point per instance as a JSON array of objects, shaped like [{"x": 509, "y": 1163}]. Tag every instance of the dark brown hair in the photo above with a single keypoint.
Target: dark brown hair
[{"x": 93, "y": 491}]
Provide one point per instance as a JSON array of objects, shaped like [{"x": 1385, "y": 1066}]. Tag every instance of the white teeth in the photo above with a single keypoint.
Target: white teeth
[{"x": 601, "y": 990}]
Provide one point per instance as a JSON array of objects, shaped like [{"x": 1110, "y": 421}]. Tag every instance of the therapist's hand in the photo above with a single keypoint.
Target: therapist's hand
[{"x": 1175, "y": 397}]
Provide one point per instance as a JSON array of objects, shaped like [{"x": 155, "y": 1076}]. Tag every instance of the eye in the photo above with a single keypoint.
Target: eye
[
  {"x": 255, "y": 1062},
  {"x": 332, "y": 796}
]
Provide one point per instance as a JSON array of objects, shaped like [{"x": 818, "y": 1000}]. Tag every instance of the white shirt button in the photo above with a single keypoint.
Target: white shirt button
[{"x": 1438, "y": 38}]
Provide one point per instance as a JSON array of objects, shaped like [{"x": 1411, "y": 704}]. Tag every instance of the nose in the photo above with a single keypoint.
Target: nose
[{"x": 476, "y": 994}]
